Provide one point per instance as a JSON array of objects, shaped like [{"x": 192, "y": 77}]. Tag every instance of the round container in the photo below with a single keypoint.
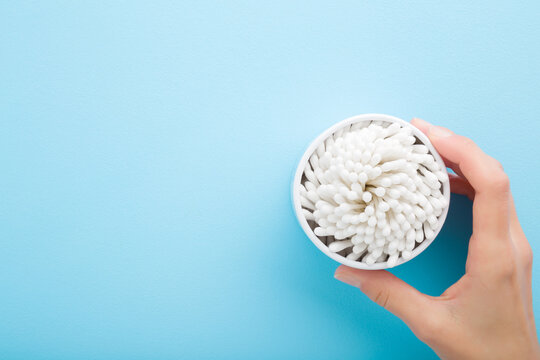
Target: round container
[{"x": 302, "y": 165}]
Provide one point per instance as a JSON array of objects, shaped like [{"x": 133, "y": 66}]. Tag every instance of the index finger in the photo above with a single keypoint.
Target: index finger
[{"x": 485, "y": 174}]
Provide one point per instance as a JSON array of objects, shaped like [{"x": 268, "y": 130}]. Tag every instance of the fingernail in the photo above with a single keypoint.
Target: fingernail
[
  {"x": 422, "y": 123},
  {"x": 347, "y": 278},
  {"x": 439, "y": 131}
]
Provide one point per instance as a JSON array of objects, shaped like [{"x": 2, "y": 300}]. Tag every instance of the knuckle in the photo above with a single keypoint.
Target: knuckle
[
  {"x": 382, "y": 297},
  {"x": 528, "y": 258},
  {"x": 498, "y": 164},
  {"x": 468, "y": 143},
  {"x": 498, "y": 182},
  {"x": 506, "y": 269}
]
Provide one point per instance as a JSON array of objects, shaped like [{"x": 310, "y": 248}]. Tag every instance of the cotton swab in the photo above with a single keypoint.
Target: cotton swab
[{"x": 374, "y": 191}]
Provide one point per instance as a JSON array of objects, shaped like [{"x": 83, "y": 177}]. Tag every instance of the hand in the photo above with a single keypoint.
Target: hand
[{"x": 488, "y": 313}]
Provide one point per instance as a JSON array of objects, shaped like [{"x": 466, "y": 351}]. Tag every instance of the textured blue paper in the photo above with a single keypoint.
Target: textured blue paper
[{"x": 147, "y": 149}]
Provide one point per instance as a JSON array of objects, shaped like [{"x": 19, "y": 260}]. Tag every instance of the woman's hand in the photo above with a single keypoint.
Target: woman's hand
[{"x": 488, "y": 313}]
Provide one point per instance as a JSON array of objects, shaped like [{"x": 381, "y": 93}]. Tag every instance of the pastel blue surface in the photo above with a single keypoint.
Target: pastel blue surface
[{"x": 147, "y": 152}]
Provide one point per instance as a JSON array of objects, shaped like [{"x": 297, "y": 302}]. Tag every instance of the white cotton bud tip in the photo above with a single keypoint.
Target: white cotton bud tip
[
  {"x": 411, "y": 235},
  {"x": 367, "y": 196},
  {"x": 385, "y": 183},
  {"x": 352, "y": 195},
  {"x": 363, "y": 217},
  {"x": 370, "y": 260},
  {"x": 373, "y": 192},
  {"x": 369, "y": 210},
  {"x": 358, "y": 249},
  {"x": 419, "y": 235},
  {"x": 405, "y": 226},
  {"x": 381, "y": 217},
  {"x": 394, "y": 193},
  {"x": 337, "y": 246},
  {"x": 442, "y": 176},
  {"x": 380, "y": 191},
  {"x": 383, "y": 205},
  {"x": 308, "y": 215},
  {"x": 306, "y": 203},
  {"x": 428, "y": 232},
  {"x": 406, "y": 254},
  {"x": 420, "y": 149},
  {"x": 432, "y": 219},
  {"x": 392, "y": 260},
  {"x": 377, "y": 252}
]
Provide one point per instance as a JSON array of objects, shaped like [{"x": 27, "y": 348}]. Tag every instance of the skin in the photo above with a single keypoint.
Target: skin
[{"x": 488, "y": 313}]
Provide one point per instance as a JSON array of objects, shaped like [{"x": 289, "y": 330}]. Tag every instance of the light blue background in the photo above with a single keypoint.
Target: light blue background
[{"x": 148, "y": 147}]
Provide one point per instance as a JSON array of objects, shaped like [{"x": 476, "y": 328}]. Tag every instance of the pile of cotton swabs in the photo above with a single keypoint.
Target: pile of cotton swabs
[{"x": 375, "y": 191}]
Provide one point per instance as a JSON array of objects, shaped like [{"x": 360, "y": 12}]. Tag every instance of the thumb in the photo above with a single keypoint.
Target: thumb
[{"x": 388, "y": 291}]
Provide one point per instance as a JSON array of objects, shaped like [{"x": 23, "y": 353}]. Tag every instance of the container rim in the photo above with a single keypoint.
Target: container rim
[{"x": 313, "y": 147}]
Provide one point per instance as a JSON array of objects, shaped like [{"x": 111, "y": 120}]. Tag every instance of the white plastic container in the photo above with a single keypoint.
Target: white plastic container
[{"x": 298, "y": 180}]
